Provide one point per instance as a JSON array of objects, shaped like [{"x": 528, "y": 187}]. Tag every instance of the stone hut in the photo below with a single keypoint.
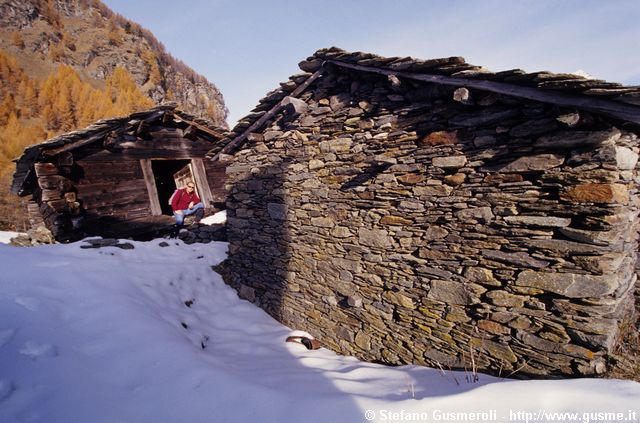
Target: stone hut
[
  {"x": 434, "y": 212},
  {"x": 115, "y": 177}
]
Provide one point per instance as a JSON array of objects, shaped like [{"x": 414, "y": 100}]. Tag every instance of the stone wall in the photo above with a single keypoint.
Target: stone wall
[{"x": 406, "y": 222}]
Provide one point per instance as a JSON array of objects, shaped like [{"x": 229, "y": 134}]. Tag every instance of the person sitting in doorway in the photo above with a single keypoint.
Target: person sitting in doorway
[{"x": 186, "y": 202}]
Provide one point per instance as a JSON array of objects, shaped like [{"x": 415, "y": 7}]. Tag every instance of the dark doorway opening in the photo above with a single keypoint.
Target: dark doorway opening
[{"x": 163, "y": 173}]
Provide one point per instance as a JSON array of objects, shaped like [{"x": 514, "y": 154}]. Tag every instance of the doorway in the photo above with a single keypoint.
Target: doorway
[{"x": 169, "y": 175}]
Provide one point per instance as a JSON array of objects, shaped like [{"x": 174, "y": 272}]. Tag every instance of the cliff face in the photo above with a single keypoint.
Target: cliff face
[{"x": 88, "y": 36}]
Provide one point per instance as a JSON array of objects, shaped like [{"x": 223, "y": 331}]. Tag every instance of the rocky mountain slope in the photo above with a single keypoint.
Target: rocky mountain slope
[{"x": 94, "y": 40}]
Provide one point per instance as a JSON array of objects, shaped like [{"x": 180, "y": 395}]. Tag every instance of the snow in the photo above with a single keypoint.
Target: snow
[
  {"x": 5, "y": 236},
  {"x": 583, "y": 74},
  {"x": 218, "y": 218},
  {"x": 97, "y": 335}
]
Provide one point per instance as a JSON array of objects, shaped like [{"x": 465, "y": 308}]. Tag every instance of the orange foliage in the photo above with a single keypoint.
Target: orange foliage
[
  {"x": 16, "y": 40},
  {"x": 31, "y": 111}
]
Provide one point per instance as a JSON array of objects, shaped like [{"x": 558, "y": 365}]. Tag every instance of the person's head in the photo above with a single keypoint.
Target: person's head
[{"x": 190, "y": 186}]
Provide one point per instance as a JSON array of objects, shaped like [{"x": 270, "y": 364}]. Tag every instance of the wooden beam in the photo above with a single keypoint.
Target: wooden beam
[
  {"x": 624, "y": 111},
  {"x": 73, "y": 145},
  {"x": 202, "y": 128},
  {"x": 239, "y": 140},
  {"x": 150, "y": 182},
  {"x": 200, "y": 175}
]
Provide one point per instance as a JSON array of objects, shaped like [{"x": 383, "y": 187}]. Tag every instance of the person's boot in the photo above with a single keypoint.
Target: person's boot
[
  {"x": 199, "y": 215},
  {"x": 175, "y": 230}
]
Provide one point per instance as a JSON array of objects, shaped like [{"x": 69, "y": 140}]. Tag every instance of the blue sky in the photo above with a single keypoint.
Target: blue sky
[{"x": 247, "y": 47}]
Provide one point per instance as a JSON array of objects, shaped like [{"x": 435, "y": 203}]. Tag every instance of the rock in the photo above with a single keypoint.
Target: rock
[
  {"x": 602, "y": 264},
  {"x": 247, "y": 293},
  {"x": 452, "y": 292},
  {"x": 261, "y": 147},
  {"x": 271, "y": 135},
  {"x": 374, "y": 238},
  {"x": 125, "y": 246},
  {"x": 626, "y": 158},
  {"x": 363, "y": 340},
  {"x": 399, "y": 299},
  {"x": 411, "y": 206},
  {"x": 570, "y": 139},
  {"x": 41, "y": 235},
  {"x": 435, "y": 232},
  {"x": 354, "y": 301},
  {"x": 433, "y": 271},
  {"x": 277, "y": 211},
  {"x": 410, "y": 179},
  {"x": 330, "y": 299},
  {"x": 98, "y": 243},
  {"x": 341, "y": 232},
  {"x": 462, "y": 95},
  {"x": 536, "y": 342},
  {"x": 441, "y": 138},
  {"x": 484, "y": 141},
  {"x": 21, "y": 240},
  {"x": 596, "y": 193},
  {"x": 591, "y": 237},
  {"x": 499, "y": 351},
  {"x": 564, "y": 247},
  {"x": 323, "y": 222},
  {"x": 163, "y": 244},
  {"x": 538, "y": 162},
  {"x": 504, "y": 299},
  {"x": 395, "y": 221},
  {"x": 311, "y": 65},
  {"x": 482, "y": 214},
  {"x": 315, "y": 164},
  {"x": 570, "y": 119},
  {"x": 493, "y": 327},
  {"x": 481, "y": 275},
  {"x": 338, "y": 145},
  {"x": 519, "y": 258},
  {"x": 434, "y": 190},
  {"x": 539, "y": 221},
  {"x": 455, "y": 180},
  {"x": 569, "y": 284},
  {"x": 452, "y": 162},
  {"x": 603, "y": 341}
]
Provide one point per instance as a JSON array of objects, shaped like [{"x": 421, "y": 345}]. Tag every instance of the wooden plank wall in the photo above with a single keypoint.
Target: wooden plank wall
[
  {"x": 217, "y": 177},
  {"x": 112, "y": 187},
  {"x": 109, "y": 182}
]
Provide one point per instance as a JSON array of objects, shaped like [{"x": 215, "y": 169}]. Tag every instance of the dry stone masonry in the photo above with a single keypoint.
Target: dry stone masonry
[{"x": 403, "y": 221}]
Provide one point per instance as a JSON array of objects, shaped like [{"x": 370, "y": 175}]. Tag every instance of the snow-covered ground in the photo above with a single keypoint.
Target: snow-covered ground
[
  {"x": 218, "y": 218},
  {"x": 98, "y": 335}
]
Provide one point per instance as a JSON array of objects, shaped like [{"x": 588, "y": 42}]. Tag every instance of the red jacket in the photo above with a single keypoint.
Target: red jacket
[{"x": 182, "y": 199}]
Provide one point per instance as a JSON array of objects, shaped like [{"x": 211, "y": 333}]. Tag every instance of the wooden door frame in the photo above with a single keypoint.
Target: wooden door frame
[
  {"x": 199, "y": 174},
  {"x": 152, "y": 189}
]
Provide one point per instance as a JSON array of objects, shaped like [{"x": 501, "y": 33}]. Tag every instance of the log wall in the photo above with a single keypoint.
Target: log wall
[{"x": 105, "y": 186}]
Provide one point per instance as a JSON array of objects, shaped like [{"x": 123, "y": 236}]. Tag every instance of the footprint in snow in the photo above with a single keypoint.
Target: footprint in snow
[
  {"x": 6, "y": 388},
  {"x": 33, "y": 350},
  {"x": 5, "y": 336},
  {"x": 32, "y": 304},
  {"x": 53, "y": 264}
]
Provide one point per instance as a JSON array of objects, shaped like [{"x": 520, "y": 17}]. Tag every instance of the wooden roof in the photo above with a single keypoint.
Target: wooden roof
[
  {"x": 104, "y": 128},
  {"x": 607, "y": 98}
]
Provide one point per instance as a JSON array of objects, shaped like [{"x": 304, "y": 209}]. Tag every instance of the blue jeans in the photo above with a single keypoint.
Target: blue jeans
[{"x": 186, "y": 212}]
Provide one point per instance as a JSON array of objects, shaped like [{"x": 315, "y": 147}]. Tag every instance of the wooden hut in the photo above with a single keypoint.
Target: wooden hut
[
  {"x": 433, "y": 212},
  {"x": 115, "y": 177}
]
